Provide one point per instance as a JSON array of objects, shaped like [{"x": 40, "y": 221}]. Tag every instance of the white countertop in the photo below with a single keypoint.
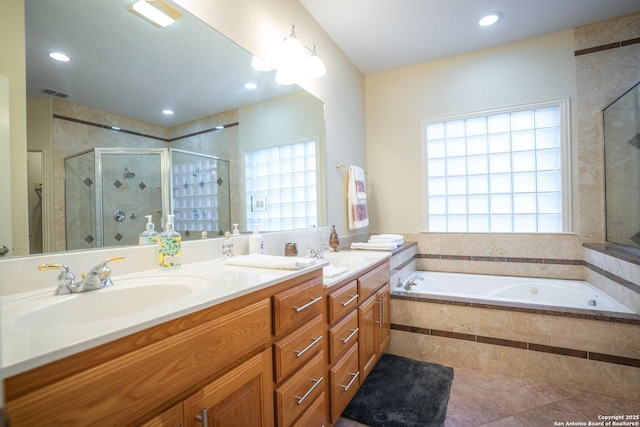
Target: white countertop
[{"x": 28, "y": 344}]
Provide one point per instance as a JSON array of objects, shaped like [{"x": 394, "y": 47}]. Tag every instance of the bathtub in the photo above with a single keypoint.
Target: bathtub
[{"x": 549, "y": 292}]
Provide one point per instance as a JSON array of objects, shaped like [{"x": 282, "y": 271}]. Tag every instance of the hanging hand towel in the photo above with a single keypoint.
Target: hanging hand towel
[{"x": 357, "y": 199}]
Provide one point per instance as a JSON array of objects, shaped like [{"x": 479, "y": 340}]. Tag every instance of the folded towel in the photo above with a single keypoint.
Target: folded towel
[
  {"x": 386, "y": 237},
  {"x": 270, "y": 261},
  {"x": 357, "y": 199},
  {"x": 374, "y": 246},
  {"x": 332, "y": 271}
]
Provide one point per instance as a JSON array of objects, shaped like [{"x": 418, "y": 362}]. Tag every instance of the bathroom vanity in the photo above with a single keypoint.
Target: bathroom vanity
[{"x": 282, "y": 349}]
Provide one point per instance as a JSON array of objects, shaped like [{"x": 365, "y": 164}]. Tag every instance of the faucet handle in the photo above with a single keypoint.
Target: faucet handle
[
  {"x": 102, "y": 269},
  {"x": 66, "y": 277}
]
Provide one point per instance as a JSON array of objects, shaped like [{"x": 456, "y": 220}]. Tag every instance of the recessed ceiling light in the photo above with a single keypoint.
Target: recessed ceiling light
[
  {"x": 490, "y": 19},
  {"x": 250, "y": 85},
  {"x": 167, "y": 112},
  {"x": 59, "y": 56}
]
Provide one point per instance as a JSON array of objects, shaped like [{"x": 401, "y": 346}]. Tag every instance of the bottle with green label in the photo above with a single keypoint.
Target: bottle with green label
[{"x": 169, "y": 246}]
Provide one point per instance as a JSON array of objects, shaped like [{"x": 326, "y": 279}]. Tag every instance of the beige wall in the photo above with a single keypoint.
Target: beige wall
[
  {"x": 534, "y": 70},
  {"x": 12, "y": 65},
  {"x": 259, "y": 26}
]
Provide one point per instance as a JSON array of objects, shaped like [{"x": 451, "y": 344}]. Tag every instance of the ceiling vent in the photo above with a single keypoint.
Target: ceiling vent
[{"x": 55, "y": 93}]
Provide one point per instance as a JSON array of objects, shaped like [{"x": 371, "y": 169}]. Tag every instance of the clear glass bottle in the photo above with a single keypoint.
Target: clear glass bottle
[{"x": 148, "y": 236}]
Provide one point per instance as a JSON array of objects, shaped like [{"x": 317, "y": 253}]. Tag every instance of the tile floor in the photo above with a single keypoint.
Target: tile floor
[{"x": 491, "y": 400}]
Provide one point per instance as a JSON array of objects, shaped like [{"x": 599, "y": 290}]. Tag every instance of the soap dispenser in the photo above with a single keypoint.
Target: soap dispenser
[
  {"x": 148, "y": 236},
  {"x": 333, "y": 240},
  {"x": 170, "y": 246},
  {"x": 256, "y": 243}
]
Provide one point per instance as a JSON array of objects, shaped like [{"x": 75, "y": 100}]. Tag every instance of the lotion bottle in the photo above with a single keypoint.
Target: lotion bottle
[
  {"x": 149, "y": 236},
  {"x": 169, "y": 246},
  {"x": 256, "y": 243}
]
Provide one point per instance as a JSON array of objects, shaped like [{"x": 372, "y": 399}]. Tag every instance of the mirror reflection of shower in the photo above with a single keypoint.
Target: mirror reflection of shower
[
  {"x": 106, "y": 199},
  {"x": 34, "y": 201}
]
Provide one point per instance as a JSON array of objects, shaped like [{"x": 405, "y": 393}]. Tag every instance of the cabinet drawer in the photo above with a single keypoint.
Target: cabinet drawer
[
  {"x": 299, "y": 392},
  {"x": 344, "y": 382},
  {"x": 314, "y": 417},
  {"x": 296, "y": 306},
  {"x": 342, "y": 336},
  {"x": 370, "y": 282},
  {"x": 342, "y": 301},
  {"x": 293, "y": 351}
]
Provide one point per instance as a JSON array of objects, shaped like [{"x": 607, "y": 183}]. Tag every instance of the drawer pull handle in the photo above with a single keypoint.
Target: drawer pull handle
[
  {"x": 304, "y": 350},
  {"x": 355, "y": 376},
  {"x": 203, "y": 418},
  {"x": 313, "y": 387},
  {"x": 309, "y": 304},
  {"x": 350, "y": 300},
  {"x": 353, "y": 332}
]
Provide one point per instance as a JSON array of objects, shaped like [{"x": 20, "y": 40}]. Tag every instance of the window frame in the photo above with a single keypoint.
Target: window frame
[{"x": 565, "y": 162}]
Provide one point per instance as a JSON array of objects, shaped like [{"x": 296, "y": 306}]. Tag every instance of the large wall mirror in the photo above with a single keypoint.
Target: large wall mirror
[
  {"x": 97, "y": 120},
  {"x": 622, "y": 170}
]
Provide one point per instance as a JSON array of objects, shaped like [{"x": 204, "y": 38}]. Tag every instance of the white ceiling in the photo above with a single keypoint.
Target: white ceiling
[
  {"x": 381, "y": 35},
  {"x": 124, "y": 65}
]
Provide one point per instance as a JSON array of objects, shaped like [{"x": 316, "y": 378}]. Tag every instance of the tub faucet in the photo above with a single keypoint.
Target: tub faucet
[
  {"x": 98, "y": 277},
  {"x": 412, "y": 282}
]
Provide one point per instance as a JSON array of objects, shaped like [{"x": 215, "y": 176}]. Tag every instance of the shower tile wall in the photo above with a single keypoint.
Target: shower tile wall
[
  {"x": 73, "y": 137},
  {"x": 80, "y": 194},
  {"x": 131, "y": 185}
]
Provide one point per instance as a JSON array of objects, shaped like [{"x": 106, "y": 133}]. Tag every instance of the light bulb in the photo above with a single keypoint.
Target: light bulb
[{"x": 315, "y": 66}]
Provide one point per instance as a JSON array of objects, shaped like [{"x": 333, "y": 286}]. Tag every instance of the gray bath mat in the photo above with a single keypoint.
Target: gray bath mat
[{"x": 401, "y": 392}]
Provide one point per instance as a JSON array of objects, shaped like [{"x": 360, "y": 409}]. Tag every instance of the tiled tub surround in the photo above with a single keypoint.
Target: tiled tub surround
[
  {"x": 567, "y": 349},
  {"x": 592, "y": 351}
]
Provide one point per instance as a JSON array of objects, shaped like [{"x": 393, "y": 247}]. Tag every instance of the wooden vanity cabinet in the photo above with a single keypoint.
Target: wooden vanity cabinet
[
  {"x": 241, "y": 397},
  {"x": 373, "y": 318},
  {"x": 218, "y": 360},
  {"x": 299, "y": 357},
  {"x": 358, "y": 330}
]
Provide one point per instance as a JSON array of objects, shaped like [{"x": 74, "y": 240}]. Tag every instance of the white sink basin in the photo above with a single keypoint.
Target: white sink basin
[{"x": 125, "y": 297}]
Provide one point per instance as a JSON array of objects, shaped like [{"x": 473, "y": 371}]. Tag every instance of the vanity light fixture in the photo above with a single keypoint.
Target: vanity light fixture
[
  {"x": 260, "y": 65},
  {"x": 158, "y": 12},
  {"x": 59, "y": 56},
  {"x": 297, "y": 61},
  {"x": 490, "y": 19}
]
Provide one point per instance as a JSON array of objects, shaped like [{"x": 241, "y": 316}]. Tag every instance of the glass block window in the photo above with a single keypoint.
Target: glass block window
[
  {"x": 498, "y": 172},
  {"x": 281, "y": 189}
]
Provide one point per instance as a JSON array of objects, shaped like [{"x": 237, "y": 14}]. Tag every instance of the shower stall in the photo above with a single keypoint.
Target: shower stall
[{"x": 109, "y": 191}]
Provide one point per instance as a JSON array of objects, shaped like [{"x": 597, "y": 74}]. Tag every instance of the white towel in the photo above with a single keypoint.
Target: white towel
[
  {"x": 386, "y": 237},
  {"x": 270, "y": 261},
  {"x": 332, "y": 271},
  {"x": 374, "y": 246},
  {"x": 357, "y": 199}
]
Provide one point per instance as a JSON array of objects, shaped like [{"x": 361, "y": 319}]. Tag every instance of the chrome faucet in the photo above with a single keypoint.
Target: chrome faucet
[
  {"x": 317, "y": 253},
  {"x": 412, "y": 282},
  {"x": 98, "y": 277}
]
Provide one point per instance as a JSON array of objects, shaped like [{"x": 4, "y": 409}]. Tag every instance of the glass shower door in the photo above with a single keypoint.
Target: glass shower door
[{"x": 131, "y": 188}]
